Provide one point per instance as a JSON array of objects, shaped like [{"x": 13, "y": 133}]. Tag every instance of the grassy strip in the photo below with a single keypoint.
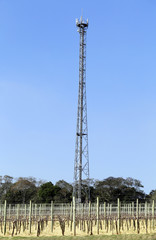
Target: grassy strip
[{"x": 112, "y": 237}]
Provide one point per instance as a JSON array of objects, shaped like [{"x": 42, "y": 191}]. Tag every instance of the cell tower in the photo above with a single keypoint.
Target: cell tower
[{"x": 81, "y": 164}]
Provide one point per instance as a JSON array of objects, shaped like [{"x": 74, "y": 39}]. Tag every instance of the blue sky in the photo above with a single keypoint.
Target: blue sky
[{"x": 39, "y": 47}]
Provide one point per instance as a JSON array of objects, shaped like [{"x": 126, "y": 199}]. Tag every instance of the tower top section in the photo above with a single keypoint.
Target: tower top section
[{"x": 81, "y": 23}]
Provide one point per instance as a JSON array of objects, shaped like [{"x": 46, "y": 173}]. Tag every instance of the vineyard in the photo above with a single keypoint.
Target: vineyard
[{"x": 77, "y": 219}]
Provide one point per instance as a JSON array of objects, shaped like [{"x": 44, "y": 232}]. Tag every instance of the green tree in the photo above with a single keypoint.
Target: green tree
[
  {"x": 47, "y": 192},
  {"x": 22, "y": 191},
  {"x": 152, "y": 195},
  {"x": 111, "y": 188},
  {"x": 5, "y": 184},
  {"x": 65, "y": 191}
]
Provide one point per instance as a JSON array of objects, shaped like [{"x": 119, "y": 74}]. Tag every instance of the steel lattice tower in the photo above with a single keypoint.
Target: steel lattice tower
[{"x": 81, "y": 164}]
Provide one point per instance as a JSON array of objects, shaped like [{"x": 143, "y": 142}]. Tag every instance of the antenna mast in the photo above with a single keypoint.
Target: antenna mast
[{"x": 81, "y": 164}]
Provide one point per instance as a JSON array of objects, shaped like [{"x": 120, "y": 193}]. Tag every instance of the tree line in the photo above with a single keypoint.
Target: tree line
[{"x": 24, "y": 189}]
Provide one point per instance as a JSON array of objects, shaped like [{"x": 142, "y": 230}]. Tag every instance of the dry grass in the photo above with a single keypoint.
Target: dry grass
[
  {"x": 100, "y": 237},
  {"x": 127, "y": 232}
]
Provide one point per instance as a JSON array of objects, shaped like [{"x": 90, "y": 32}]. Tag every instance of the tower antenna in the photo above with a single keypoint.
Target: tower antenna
[{"x": 81, "y": 163}]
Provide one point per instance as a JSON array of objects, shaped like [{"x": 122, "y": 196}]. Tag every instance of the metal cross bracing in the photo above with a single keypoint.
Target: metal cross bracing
[{"x": 81, "y": 164}]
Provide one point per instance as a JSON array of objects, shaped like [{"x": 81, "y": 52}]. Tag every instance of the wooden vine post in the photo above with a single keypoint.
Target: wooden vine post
[
  {"x": 0, "y": 208},
  {"x": 89, "y": 216},
  {"x": 145, "y": 210},
  {"x": 97, "y": 215},
  {"x": 71, "y": 216},
  {"x": 104, "y": 206},
  {"x": 52, "y": 212},
  {"x": 74, "y": 216},
  {"x": 9, "y": 211},
  {"x": 30, "y": 212},
  {"x": 40, "y": 210},
  {"x": 35, "y": 211},
  {"x": 5, "y": 216},
  {"x": 139, "y": 209},
  {"x": 146, "y": 206},
  {"x": 18, "y": 207},
  {"x": 118, "y": 221},
  {"x": 110, "y": 210},
  {"x": 132, "y": 209},
  {"x": 137, "y": 215},
  {"x": 35, "y": 216},
  {"x": 153, "y": 212},
  {"x": 25, "y": 211}
]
